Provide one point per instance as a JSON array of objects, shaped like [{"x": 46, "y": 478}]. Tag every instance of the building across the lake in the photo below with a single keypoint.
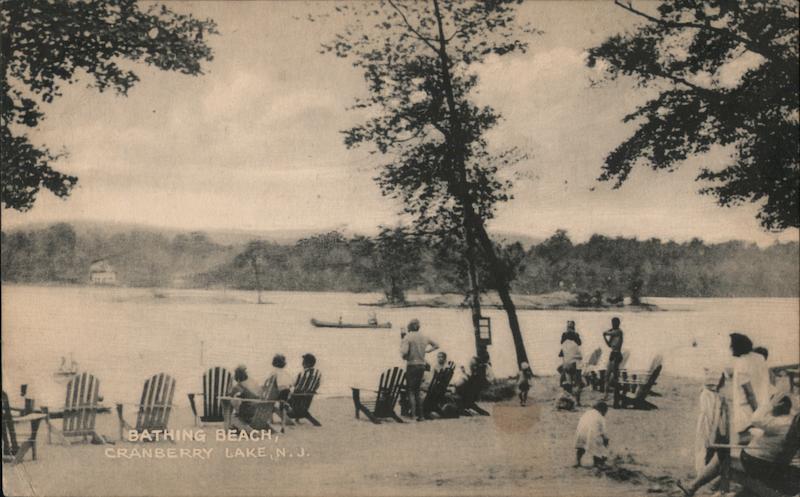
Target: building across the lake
[{"x": 101, "y": 272}]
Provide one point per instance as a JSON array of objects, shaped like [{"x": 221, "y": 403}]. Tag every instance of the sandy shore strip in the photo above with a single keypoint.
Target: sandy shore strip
[{"x": 516, "y": 451}]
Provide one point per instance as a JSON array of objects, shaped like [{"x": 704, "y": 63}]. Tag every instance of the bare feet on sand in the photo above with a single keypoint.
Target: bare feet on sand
[{"x": 685, "y": 492}]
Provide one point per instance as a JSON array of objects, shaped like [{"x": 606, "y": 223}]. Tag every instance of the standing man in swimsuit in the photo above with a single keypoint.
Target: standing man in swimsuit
[{"x": 613, "y": 339}]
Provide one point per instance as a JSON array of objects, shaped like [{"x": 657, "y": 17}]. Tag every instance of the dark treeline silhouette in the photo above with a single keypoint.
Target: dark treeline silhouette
[{"x": 601, "y": 268}]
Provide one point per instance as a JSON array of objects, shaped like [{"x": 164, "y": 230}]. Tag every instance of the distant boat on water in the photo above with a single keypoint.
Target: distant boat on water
[{"x": 372, "y": 323}]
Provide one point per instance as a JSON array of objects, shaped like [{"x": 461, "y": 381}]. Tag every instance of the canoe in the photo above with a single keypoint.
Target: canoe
[{"x": 329, "y": 324}]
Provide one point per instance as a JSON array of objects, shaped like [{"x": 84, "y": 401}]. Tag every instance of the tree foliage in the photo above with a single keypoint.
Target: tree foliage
[
  {"x": 419, "y": 59},
  {"x": 611, "y": 266},
  {"x": 46, "y": 44},
  {"x": 396, "y": 45},
  {"x": 726, "y": 72}
]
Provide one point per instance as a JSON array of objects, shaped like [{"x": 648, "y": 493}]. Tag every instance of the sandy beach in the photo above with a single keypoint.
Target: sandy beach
[{"x": 515, "y": 451}]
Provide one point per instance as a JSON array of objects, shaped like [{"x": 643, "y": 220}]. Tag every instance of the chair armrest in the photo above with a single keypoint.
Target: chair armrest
[
  {"x": 29, "y": 417},
  {"x": 252, "y": 401},
  {"x": 193, "y": 406},
  {"x": 365, "y": 389}
]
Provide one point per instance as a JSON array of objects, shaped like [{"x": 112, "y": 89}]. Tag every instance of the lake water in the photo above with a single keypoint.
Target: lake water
[{"x": 125, "y": 335}]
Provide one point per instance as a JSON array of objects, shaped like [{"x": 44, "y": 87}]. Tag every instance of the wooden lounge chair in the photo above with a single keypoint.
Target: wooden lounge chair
[
  {"x": 591, "y": 369},
  {"x": 633, "y": 379},
  {"x": 791, "y": 373},
  {"x": 299, "y": 401},
  {"x": 79, "y": 415},
  {"x": 216, "y": 383},
  {"x": 13, "y": 451},
  {"x": 437, "y": 390},
  {"x": 731, "y": 468},
  {"x": 467, "y": 396},
  {"x": 154, "y": 408},
  {"x": 391, "y": 382},
  {"x": 264, "y": 410},
  {"x": 633, "y": 388},
  {"x": 596, "y": 375},
  {"x": 262, "y": 417}
]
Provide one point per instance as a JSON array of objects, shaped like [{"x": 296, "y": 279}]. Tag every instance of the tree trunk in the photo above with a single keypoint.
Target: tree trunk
[
  {"x": 474, "y": 294},
  {"x": 498, "y": 268},
  {"x": 473, "y": 223}
]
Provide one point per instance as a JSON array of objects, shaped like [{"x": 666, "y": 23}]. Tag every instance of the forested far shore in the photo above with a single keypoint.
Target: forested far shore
[{"x": 602, "y": 269}]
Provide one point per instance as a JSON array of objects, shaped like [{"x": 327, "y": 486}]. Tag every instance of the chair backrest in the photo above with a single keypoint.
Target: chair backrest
[
  {"x": 81, "y": 405},
  {"x": 304, "y": 390},
  {"x": 307, "y": 382},
  {"x": 625, "y": 356},
  {"x": 792, "y": 444},
  {"x": 594, "y": 357},
  {"x": 156, "y": 404},
  {"x": 270, "y": 389},
  {"x": 10, "y": 446},
  {"x": 217, "y": 382},
  {"x": 391, "y": 382},
  {"x": 655, "y": 363},
  {"x": 644, "y": 390},
  {"x": 440, "y": 381}
]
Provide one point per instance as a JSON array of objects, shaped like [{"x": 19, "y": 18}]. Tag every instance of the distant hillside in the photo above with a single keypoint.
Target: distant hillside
[{"x": 600, "y": 270}]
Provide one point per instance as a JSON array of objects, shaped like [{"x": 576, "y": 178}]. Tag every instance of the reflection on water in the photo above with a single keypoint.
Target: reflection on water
[{"x": 126, "y": 335}]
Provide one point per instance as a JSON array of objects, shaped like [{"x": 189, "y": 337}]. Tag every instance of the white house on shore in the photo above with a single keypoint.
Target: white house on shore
[{"x": 101, "y": 272}]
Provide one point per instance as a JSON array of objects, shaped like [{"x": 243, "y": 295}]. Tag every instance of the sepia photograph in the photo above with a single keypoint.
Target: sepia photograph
[{"x": 369, "y": 248}]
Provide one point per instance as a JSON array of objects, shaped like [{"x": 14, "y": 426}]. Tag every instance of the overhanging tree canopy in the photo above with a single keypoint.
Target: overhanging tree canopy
[
  {"x": 727, "y": 74},
  {"x": 48, "y": 43},
  {"x": 418, "y": 59}
]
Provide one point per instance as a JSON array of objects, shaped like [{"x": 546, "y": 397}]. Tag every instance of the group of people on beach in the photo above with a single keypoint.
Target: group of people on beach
[
  {"x": 590, "y": 435},
  {"x": 743, "y": 412},
  {"x": 571, "y": 364},
  {"x": 414, "y": 346},
  {"x": 277, "y": 386}
]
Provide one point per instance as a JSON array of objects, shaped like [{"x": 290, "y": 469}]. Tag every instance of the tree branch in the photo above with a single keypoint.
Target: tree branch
[
  {"x": 425, "y": 40},
  {"x": 749, "y": 44}
]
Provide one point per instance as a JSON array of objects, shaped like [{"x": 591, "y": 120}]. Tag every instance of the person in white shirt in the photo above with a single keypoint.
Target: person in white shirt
[
  {"x": 590, "y": 436},
  {"x": 279, "y": 382},
  {"x": 750, "y": 385},
  {"x": 571, "y": 358},
  {"x": 770, "y": 425}
]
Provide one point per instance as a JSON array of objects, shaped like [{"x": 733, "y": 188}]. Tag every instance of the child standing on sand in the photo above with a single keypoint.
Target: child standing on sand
[{"x": 524, "y": 383}]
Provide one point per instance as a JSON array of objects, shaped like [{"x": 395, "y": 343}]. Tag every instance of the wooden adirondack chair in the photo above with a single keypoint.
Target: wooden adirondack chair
[
  {"x": 633, "y": 389},
  {"x": 79, "y": 415},
  {"x": 791, "y": 373},
  {"x": 299, "y": 401},
  {"x": 591, "y": 371},
  {"x": 437, "y": 390},
  {"x": 13, "y": 451},
  {"x": 468, "y": 395},
  {"x": 391, "y": 382},
  {"x": 216, "y": 383},
  {"x": 731, "y": 468},
  {"x": 154, "y": 408},
  {"x": 596, "y": 375},
  {"x": 264, "y": 409},
  {"x": 630, "y": 380},
  {"x": 262, "y": 416}
]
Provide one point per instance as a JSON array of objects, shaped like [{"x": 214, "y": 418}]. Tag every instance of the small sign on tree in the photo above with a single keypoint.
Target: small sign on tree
[{"x": 485, "y": 331}]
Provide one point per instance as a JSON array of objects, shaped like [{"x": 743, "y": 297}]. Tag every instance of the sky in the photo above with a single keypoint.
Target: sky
[{"x": 255, "y": 142}]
